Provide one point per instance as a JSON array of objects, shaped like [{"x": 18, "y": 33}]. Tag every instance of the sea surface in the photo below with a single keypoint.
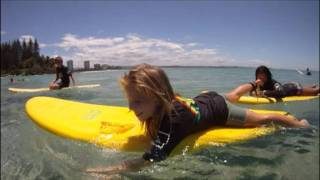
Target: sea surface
[{"x": 30, "y": 152}]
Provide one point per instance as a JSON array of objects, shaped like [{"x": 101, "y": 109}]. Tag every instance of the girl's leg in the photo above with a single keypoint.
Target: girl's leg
[
  {"x": 310, "y": 86},
  {"x": 309, "y": 91},
  {"x": 254, "y": 119}
]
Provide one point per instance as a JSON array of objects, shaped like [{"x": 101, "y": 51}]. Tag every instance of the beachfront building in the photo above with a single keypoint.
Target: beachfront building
[
  {"x": 86, "y": 65},
  {"x": 70, "y": 65},
  {"x": 97, "y": 66},
  {"x": 105, "y": 66}
]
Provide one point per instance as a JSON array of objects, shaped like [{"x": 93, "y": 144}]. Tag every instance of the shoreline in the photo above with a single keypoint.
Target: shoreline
[{"x": 129, "y": 67}]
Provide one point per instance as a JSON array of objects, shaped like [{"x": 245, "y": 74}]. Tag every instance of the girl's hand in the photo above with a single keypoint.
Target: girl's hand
[
  {"x": 260, "y": 94},
  {"x": 258, "y": 91},
  {"x": 134, "y": 164},
  {"x": 106, "y": 170},
  {"x": 259, "y": 82}
]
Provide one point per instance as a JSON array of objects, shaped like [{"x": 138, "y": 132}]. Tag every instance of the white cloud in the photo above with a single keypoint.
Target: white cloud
[
  {"x": 42, "y": 45},
  {"x": 133, "y": 49},
  {"x": 192, "y": 44},
  {"x": 257, "y": 62},
  {"x": 26, "y": 38},
  {"x": 3, "y": 33},
  {"x": 72, "y": 41}
]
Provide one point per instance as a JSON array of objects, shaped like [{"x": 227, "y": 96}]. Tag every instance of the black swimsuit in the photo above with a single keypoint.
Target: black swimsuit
[
  {"x": 285, "y": 90},
  {"x": 63, "y": 74},
  {"x": 277, "y": 90},
  {"x": 213, "y": 111}
]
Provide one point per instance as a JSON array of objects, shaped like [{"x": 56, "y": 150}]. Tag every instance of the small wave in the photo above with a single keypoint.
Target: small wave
[
  {"x": 11, "y": 122},
  {"x": 100, "y": 71},
  {"x": 61, "y": 156}
]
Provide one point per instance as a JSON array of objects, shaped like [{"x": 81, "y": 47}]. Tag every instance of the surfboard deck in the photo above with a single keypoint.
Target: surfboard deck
[
  {"x": 118, "y": 128},
  {"x": 16, "y": 90},
  {"x": 262, "y": 100}
]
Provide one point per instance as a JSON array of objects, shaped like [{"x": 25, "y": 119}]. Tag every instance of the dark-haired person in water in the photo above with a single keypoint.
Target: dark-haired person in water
[
  {"x": 62, "y": 75},
  {"x": 308, "y": 72},
  {"x": 266, "y": 86}
]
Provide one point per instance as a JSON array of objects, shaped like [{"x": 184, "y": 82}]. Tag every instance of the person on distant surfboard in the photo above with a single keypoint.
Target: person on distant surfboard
[
  {"x": 12, "y": 80},
  {"x": 62, "y": 75},
  {"x": 308, "y": 72},
  {"x": 169, "y": 118},
  {"x": 266, "y": 86}
]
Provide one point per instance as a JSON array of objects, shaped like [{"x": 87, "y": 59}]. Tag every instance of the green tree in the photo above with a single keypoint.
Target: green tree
[
  {"x": 28, "y": 63},
  {"x": 36, "y": 49},
  {"x": 24, "y": 49},
  {"x": 17, "y": 57}
]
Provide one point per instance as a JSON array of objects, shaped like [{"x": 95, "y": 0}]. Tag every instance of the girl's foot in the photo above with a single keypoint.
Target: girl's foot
[{"x": 304, "y": 123}]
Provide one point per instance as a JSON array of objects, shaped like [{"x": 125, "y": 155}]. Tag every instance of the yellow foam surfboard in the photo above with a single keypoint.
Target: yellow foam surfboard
[
  {"x": 16, "y": 90},
  {"x": 262, "y": 100},
  {"x": 118, "y": 128}
]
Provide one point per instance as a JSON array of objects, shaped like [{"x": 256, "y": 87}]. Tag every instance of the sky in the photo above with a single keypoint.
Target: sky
[{"x": 275, "y": 33}]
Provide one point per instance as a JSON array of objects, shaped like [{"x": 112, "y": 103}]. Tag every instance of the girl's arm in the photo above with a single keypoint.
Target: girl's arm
[
  {"x": 134, "y": 164},
  {"x": 73, "y": 82},
  {"x": 235, "y": 94},
  {"x": 57, "y": 77},
  {"x": 154, "y": 155}
]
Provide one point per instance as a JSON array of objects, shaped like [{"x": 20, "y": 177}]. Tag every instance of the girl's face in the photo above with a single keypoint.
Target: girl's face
[
  {"x": 58, "y": 64},
  {"x": 262, "y": 77},
  {"x": 143, "y": 106}
]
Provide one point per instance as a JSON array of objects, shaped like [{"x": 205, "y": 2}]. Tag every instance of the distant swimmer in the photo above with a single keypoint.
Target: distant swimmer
[
  {"x": 12, "y": 80},
  {"x": 266, "y": 86},
  {"x": 308, "y": 72},
  {"x": 62, "y": 75}
]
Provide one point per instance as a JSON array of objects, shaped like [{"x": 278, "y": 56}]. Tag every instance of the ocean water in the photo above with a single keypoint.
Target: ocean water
[{"x": 30, "y": 152}]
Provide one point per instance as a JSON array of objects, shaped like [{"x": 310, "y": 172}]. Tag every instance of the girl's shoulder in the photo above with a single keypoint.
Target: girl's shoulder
[
  {"x": 275, "y": 81},
  {"x": 179, "y": 104},
  {"x": 182, "y": 107}
]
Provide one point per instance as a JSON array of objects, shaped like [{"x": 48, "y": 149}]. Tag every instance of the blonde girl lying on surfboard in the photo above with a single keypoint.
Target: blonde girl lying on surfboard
[
  {"x": 266, "y": 86},
  {"x": 168, "y": 118}
]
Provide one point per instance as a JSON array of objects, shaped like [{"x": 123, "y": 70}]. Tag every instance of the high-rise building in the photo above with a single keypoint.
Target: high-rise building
[
  {"x": 105, "y": 66},
  {"x": 70, "y": 65},
  {"x": 86, "y": 65},
  {"x": 97, "y": 66}
]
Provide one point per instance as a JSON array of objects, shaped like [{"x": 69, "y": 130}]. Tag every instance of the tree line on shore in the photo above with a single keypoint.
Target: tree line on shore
[{"x": 23, "y": 58}]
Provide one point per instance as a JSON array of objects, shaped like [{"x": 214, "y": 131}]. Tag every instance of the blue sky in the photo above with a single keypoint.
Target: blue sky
[{"x": 279, "y": 34}]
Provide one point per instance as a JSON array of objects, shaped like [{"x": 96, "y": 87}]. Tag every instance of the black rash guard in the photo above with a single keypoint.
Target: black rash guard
[
  {"x": 285, "y": 90},
  {"x": 63, "y": 73},
  {"x": 277, "y": 90},
  {"x": 213, "y": 111}
]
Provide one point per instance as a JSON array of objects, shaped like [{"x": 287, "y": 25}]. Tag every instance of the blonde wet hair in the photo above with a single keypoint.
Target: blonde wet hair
[
  {"x": 151, "y": 81},
  {"x": 57, "y": 59}
]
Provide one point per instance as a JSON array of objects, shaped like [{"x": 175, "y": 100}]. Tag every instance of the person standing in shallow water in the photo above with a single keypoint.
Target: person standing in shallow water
[
  {"x": 266, "y": 86},
  {"x": 308, "y": 72},
  {"x": 168, "y": 118},
  {"x": 62, "y": 75},
  {"x": 12, "y": 80}
]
